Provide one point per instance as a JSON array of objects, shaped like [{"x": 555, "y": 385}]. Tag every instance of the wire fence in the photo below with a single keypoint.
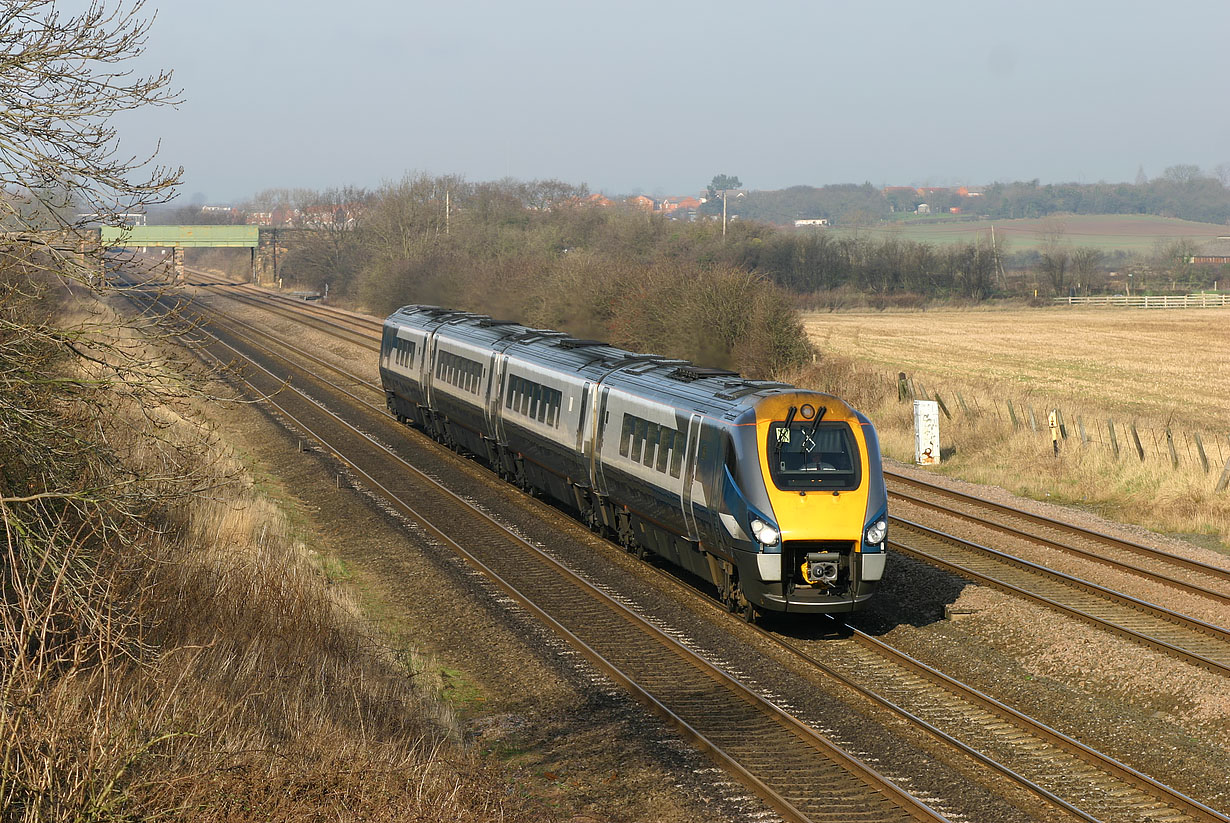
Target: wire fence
[{"x": 1181, "y": 450}]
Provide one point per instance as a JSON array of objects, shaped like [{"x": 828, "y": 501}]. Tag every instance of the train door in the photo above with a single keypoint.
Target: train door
[
  {"x": 596, "y": 426},
  {"x": 425, "y": 375},
  {"x": 495, "y": 383},
  {"x": 691, "y": 483}
]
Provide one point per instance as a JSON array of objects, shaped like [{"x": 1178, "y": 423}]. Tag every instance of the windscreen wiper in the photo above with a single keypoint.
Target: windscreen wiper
[
  {"x": 815, "y": 426},
  {"x": 777, "y": 444}
]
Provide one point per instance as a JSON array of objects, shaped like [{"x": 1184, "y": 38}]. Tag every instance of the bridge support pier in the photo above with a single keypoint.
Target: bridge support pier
[{"x": 178, "y": 258}]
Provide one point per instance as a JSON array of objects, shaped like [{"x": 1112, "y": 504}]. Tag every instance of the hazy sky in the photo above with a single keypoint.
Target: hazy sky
[{"x": 660, "y": 96}]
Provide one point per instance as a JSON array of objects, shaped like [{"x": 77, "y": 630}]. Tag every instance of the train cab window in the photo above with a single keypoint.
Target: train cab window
[
  {"x": 625, "y": 437},
  {"x": 805, "y": 456}
]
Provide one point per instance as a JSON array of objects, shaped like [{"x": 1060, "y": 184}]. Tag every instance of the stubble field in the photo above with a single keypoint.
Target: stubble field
[
  {"x": 1162, "y": 376},
  {"x": 1140, "y": 233}
]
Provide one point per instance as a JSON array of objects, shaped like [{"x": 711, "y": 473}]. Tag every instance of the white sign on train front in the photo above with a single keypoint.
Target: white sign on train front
[{"x": 926, "y": 432}]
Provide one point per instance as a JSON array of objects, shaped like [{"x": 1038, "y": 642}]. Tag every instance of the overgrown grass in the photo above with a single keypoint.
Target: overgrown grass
[{"x": 192, "y": 660}]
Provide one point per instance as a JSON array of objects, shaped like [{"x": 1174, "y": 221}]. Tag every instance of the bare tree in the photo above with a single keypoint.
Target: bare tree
[
  {"x": 62, "y": 80},
  {"x": 1055, "y": 255}
]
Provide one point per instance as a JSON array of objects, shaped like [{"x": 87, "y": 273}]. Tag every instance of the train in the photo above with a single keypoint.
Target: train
[{"x": 773, "y": 494}]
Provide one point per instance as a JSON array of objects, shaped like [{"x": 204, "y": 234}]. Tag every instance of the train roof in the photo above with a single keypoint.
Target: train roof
[{"x": 679, "y": 382}]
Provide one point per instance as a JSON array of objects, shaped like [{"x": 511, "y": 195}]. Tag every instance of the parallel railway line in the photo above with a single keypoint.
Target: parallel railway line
[
  {"x": 1049, "y": 764},
  {"x": 1182, "y": 573}
]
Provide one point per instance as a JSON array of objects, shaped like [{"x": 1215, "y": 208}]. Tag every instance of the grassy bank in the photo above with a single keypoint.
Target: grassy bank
[{"x": 170, "y": 647}]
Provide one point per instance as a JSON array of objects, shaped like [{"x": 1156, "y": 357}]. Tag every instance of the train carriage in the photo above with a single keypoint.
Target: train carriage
[{"x": 772, "y": 493}]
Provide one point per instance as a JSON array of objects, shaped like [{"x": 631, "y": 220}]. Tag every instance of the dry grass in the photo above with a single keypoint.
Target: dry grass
[
  {"x": 199, "y": 665},
  {"x": 1156, "y": 370}
]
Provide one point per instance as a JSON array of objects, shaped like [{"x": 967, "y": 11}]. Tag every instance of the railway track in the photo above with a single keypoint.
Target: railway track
[
  {"x": 1182, "y": 573},
  {"x": 1165, "y": 630},
  {"x": 790, "y": 765},
  {"x": 1047, "y": 763}
]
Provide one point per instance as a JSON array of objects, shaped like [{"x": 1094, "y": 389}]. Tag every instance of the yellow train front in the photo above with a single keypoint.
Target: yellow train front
[{"x": 803, "y": 506}]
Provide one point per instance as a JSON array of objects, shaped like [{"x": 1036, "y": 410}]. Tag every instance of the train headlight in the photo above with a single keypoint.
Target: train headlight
[
  {"x": 876, "y": 532},
  {"x": 765, "y": 533}
]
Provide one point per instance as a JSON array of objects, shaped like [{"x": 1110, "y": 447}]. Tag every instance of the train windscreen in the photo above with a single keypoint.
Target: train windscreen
[{"x": 805, "y": 455}]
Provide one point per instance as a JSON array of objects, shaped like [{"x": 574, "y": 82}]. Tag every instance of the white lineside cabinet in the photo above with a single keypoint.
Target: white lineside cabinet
[{"x": 926, "y": 432}]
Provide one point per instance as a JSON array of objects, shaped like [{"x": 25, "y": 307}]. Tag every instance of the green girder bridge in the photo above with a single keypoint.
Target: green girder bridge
[{"x": 183, "y": 237}]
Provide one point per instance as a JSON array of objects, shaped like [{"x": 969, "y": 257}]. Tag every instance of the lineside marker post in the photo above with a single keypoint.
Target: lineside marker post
[{"x": 1053, "y": 420}]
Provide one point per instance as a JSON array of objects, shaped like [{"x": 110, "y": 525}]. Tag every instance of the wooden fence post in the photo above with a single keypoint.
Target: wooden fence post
[
  {"x": 940, "y": 402},
  {"x": 1114, "y": 441},
  {"x": 1012, "y": 414},
  {"x": 1204, "y": 458},
  {"x": 903, "y": 387},
  {"x": 1080, "y": 426},
  {"x": 1063, "y": 429},
  {"x": 1140, "y": 450},
  {"x": 1174, "y": 455},
  {"x": 1225, "y": 478},
  {"x": 1033, "y": 421}
]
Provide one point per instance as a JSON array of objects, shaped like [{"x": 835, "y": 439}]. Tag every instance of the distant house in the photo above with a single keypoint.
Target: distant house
[
  {"x": 642, "y": 202},
  {"x": 811, "y": 222},
  {"x": 1216, "y": 252},
  {"x": 674, "y": 204},
  {"x": 923, "y": 208}
]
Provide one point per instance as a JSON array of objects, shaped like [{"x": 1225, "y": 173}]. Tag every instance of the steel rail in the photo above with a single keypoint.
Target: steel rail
[
  {"x": 1089, "y": 534},
  {"x": 1033, "y": 568},
  {"x": 1033, "y": 537}
]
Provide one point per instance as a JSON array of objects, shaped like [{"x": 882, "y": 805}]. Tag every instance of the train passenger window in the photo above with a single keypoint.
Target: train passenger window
[
  {"x": 509, "y": 392},
  {"x": 651, "y": 442},
  {"x": 556, "y": 400},
  {"x": 625, "y": 437},
  {"x": 535, "y": 402},
  {"x": 638, "y": 440},
  {"x": 665, "y": 440},
  {"x": 681, "y": 441}
]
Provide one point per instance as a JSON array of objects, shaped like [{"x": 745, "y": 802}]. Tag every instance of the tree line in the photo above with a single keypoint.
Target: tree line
[
  {"x": 540, "y": 253},
  {"x": 1182, "y": 191}
]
